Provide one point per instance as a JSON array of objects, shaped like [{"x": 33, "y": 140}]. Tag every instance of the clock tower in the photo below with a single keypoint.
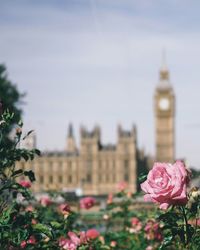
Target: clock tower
[{"x": 164, "y": 101}]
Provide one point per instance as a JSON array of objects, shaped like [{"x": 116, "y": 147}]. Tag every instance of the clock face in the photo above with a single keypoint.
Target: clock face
[{"x": 164, "y": 104}]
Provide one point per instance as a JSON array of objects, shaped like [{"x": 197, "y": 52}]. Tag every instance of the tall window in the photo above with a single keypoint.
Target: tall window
[
  {"x": 41, "y": 179},
  {"x": 114, "y": 177},
  {"x": 60, "y": 179},
  {"x": 69, "y": 166},
  {"x": 50, "y": 179},
  {"x": 89, "y": 171},
  {"x": 88, "y": 177},
  {"x": 50, "y": 167},
  {"x": 100, "y": 165},
  {"x": 126, "y": 170},
  {"x": 113, "y": 165},
  {"x": 69, "y": 179}
]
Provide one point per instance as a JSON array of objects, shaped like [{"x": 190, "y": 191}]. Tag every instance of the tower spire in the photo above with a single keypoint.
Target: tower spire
[
  {"x": 164, "y": 73},
  {"x": 70, "y": 130},
  {"x": 71, "y": 143}
]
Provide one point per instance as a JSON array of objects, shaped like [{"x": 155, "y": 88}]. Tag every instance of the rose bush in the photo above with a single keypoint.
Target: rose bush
[{"x": 30, "y": 223}]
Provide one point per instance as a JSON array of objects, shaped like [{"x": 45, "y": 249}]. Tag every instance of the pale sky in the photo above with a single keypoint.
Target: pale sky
[{"x": 97, "y": 62}]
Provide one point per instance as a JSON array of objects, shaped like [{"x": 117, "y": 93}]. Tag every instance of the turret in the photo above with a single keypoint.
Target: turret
[
  {"x": 71, "y": 144},
  {"x": 90, "y": 140}
]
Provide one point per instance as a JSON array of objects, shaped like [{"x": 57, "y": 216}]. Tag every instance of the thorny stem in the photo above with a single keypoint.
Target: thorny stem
[{"x": 185, "y": 226}]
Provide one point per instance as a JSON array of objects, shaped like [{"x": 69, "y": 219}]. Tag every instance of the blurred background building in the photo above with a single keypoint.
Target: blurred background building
[
  {"x": 164, "y": 101},
  {"x": 94, "y": 168}
]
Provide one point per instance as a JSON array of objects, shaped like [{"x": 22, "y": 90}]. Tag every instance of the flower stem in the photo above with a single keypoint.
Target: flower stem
[{"x": 185, "y": 226}]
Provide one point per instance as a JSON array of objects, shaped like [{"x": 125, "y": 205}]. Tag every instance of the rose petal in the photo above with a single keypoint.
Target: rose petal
[{"x": 164, "y": 206}]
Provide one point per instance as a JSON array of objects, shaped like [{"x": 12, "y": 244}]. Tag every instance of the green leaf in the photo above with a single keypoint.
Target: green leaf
[
  {"x": 142, "y": 178},
  {"x": 30, "y": 175},
  {"x": 166, "y": 242},
  {"x": 37, "y": 152},
  {"x": 43, "y": 229},
  {"x": 25, "y": 156},
  {"x": 55, "y": 224},
  {"x": 16, "y": 172}
]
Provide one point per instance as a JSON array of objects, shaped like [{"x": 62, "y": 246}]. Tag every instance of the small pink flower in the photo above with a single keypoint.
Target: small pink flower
[
  {"x": 101, "y": 238},
  {"x": 29, "y": 208},
  {"x": 166, "y": 184},
  {"x": 136, "y": 225},
  {"x": 92, "y": 234},
  {"x": 110, "y": 199},
  {"x": 62, "y": 241},
  {"x": 64, "y": 208},
  {"x": 83, "y": 237},
  {"x": 122, "y": 186},
  {"x": 33, "y": 221},
  {"x": 87, "y": 202},
  {"x": 69, "y": 245},
  {"x": 74, "y": 238},
  {"x": 31, "y": 240},
  {"x": 45, "y": 201},
  {"x": 129, "y": 195},
  {"x": 23, "y": 244},
  {"x": 26, "y": 184},
  {"x": 113, "y": 243},
  {"x": 152, "y": 230},
  {"x": 149, "y": 248}
]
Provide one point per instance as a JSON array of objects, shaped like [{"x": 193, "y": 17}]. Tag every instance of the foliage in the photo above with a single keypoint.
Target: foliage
[
  {"x": 10, "y": 98},
  {"x": 29, "y": 222}
]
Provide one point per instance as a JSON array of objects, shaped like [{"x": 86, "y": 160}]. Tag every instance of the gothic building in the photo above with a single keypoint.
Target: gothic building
[{"x": 95, "y": 168}]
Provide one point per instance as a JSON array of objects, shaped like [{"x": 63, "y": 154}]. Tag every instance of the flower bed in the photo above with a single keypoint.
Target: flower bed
[{"x": 28, "y": 223}]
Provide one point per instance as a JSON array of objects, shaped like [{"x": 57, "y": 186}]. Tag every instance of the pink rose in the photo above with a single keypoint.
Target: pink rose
[
  {"x": 33, "y": 221},
  {"x": 26, "y": 184},
  {"x": 136, "y": 225},
  {"x": 152, "y": 230},
  {"x": 149, "y": 248},
  {"x": 83, "y": 237},
  {"x": 122, "y": 186},
  {"x": 113, "y": 243},
  {"x": 110, "y": 199},
  {"x": 92, "y": 234},
  {"x": 45, "y": 201},
  {"x": 74, "y": 238},
  {"x": 32, "y": 240},
  {"x": 62, "y": 241},
  {"x": 64, "y": 208},
  {"x": 29, "y": 208},
  {"x": 23, "y": 244},
  {"x": 87, "y": 202},
  {"x": 166, "y": 184},
  {"x": 69, "y": 245}
]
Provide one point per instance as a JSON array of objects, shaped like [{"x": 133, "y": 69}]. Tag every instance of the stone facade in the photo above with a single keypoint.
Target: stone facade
[{"x": 94, "y": 168}]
